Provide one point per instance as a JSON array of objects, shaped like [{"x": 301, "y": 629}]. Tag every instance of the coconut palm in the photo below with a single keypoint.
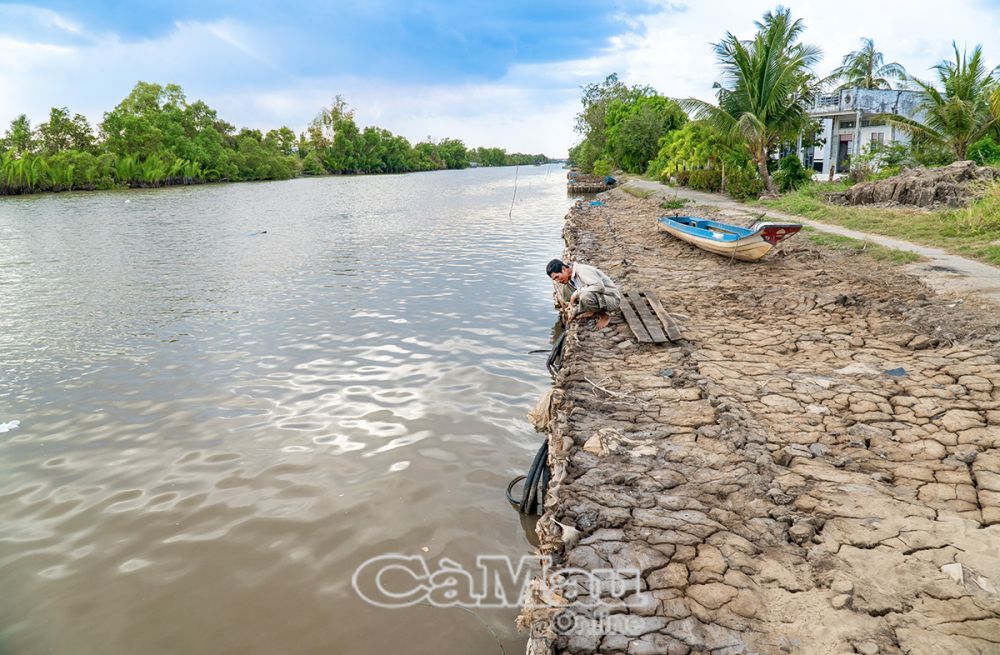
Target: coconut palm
[
  {"x": 767, "y": 86},
  {"x": 963, "y": 110},
  {"x": 866, "y": 69}
]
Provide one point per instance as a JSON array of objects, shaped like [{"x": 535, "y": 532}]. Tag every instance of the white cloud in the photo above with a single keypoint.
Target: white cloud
[
  {"x": 228, "y": 64},
  {"x": 675, "y": 54}
]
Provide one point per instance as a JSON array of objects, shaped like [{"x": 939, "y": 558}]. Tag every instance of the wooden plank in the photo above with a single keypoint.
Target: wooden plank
[
  {"x": 652, "y": 325},
  {"x": 673, "y": 331},
  {"x": 633, "y": 322}
]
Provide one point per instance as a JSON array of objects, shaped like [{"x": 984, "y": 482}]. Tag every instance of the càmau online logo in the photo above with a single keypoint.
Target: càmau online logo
[{"x": 396, "y": 580}]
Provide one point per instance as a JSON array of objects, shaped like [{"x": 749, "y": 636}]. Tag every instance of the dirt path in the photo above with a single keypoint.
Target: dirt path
[
  {"x": 815, "y": 471},
  {"x": 942, "y": 271}
]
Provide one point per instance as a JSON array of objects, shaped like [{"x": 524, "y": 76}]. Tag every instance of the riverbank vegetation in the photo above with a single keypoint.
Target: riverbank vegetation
[
  {"x": 768, "y": 82},
  {"x": 622, "y": 126},
  {"x": 972, "y": 231},
  {"x": 745, "y": 142},
  {"x": 156, "y": 137}
]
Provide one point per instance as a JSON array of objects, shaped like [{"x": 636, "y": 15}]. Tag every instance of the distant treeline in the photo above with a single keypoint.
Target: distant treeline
[{"x": 155, "y": 137}]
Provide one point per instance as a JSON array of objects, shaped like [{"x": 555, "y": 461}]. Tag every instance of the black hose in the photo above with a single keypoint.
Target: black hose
[
  {"x": 536, "y": 483},
  {"x": 532, "y": 477},
  {"x": 555, "y": 360},
  {"x": 510, "y": 498}
]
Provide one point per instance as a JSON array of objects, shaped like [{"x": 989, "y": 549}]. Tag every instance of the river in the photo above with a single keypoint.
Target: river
[{"x": 230, "y": 396}]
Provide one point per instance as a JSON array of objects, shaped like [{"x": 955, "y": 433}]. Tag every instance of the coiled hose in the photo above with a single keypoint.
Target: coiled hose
[
  {"x": 555, "y": 360},
  {"x": 536, "y": 483}
]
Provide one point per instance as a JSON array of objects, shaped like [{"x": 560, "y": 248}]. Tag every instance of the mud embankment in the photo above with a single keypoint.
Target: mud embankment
[{"x": 816, "y": 470}]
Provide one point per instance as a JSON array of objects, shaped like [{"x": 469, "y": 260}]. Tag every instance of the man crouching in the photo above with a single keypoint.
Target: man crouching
[{"x": 587, "y": 289}]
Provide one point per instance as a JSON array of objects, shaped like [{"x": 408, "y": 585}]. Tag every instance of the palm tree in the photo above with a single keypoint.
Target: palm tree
[
  {"x": 767, "y": 85},
  {"x": 963, "y": 110},
  {"x": 865, "y": 69}
]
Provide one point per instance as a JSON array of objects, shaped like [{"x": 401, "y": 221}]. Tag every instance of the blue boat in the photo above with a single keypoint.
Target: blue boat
[{"x": 733, "y": 241}]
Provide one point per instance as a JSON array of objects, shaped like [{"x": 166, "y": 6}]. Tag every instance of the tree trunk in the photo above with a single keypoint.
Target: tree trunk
[{"x": 766, "y": 176}]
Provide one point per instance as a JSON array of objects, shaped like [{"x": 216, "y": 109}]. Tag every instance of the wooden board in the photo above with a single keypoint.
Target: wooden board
[
  {"x": 672, "y": 329},
  {"x": 645, "y": 316},
  {"x": 650, "y": 322},
  {"x": 634, "y": 323}
]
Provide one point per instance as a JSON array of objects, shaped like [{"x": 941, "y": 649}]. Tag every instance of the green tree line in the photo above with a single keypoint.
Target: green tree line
[
  {"x": 767, "y": 86},
  {"x": 156, "y": 137}
]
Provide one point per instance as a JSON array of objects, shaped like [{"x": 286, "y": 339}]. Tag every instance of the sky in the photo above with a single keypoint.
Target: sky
[{"x": 504, "y": 73}]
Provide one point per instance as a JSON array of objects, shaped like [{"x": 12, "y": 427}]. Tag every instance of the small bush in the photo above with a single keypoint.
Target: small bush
[
  {"x": 682, "y": 177},
  {"x": 791, "y": 174},
  {"x": 982, "y": 217},
  {"x": 673, "y": 203},
  {"x": 313, "y": 165},
  {"x": 985, "y": 152},
  {"x": 930, "y": 154},
  {"x": 603, "y": 166},
  {"x": 709, "y": 179},
  {"x": 744, "y": 183}
]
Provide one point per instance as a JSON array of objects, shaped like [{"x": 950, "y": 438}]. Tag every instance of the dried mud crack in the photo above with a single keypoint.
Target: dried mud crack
[{"x": 815, "y": 470}]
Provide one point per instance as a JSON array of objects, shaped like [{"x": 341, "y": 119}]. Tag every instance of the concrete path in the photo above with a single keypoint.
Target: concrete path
[{"x": 942, "y": 271}]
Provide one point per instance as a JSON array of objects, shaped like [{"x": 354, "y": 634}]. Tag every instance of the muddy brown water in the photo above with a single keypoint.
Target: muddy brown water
[{"x": 219, "y": 425}]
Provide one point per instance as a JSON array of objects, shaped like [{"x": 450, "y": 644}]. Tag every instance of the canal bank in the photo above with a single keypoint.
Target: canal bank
[{"x": 814, "y": 469}]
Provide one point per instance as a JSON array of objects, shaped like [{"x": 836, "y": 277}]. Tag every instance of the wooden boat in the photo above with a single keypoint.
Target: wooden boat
[{"x": 746, "y": 244}]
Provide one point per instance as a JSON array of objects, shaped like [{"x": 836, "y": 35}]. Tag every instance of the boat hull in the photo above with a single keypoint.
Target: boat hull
[{"x": 756, "y": 243}]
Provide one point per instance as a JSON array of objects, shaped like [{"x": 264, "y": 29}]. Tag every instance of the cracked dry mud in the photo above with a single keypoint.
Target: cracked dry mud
[{"x": 780, "y": 483}]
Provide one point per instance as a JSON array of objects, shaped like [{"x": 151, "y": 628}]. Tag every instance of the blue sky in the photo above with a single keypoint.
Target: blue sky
[
  {"x": 425, "y": 41},
  {"x": 501, "y": 73}
]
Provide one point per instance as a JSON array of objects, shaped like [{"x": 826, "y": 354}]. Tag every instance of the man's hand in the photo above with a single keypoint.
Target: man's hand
[{"x": 573, "y": 299}]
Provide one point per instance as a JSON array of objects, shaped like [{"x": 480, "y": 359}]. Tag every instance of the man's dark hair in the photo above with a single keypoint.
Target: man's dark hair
[{"x": 554, "y": 266}]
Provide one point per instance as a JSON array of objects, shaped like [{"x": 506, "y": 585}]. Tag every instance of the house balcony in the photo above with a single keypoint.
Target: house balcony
[{"x": 867, "y": 101}]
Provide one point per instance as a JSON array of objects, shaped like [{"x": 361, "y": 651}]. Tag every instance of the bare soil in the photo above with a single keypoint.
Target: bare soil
[{"x": 815, "y": 470}]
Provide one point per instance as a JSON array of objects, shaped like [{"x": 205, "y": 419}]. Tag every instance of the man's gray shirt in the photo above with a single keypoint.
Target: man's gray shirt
[{"x": 591, "y": 278}]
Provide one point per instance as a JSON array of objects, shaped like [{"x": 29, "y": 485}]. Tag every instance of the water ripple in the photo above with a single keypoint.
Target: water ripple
[{"x": 216, "y": 429}]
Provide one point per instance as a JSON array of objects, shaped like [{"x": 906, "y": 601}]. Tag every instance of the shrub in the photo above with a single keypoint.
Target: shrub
[
  {"x": 931, "y": 154},
  {"x": 985, "y": 152},
  {"x": 879, "y": 161},
  {"x": 682, "y": 177},
  {"x": 602, "y": 166},
  {"x": 982, "y": 216},
  {"x": 312, "y": 164},
  {"x": 744, "y": 183},
  {"x": 708, "y": 179},
  {"x": 791, "y": 174}
]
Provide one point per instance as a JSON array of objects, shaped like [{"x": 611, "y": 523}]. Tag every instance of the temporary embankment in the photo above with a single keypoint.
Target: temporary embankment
[{"x": 815, "y": 470}]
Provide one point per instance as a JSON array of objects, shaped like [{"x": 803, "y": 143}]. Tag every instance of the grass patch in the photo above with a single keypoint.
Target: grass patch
[
  {"x": 638, "y": 193},
  {"x": 850, "y": 246},
  {"x": 973, "y": 231},
  {"x": 674, "y": 203}
]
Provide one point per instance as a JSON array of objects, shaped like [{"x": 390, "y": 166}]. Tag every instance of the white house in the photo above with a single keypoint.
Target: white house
[{"x": 848, "y": 122}]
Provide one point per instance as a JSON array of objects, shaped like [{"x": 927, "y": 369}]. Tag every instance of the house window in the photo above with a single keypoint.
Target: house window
[
  {"x": 871, "y": 122},
  {"x": 844, "y": 125},
  {"x": 878, "y": 138}
]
